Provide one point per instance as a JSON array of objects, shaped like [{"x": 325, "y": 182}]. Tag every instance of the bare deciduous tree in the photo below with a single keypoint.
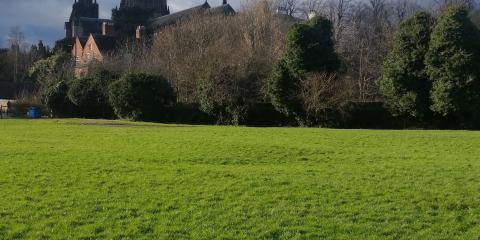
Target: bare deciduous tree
[
  {"x": 196, "y": 55},
  {"x": 442, "y": 4},
  {"x": 287, "y": 7},
  {"x": 16, "y": 41},
  {"x": 321, "y": 93},
  {"x": 403, "y": 9}
]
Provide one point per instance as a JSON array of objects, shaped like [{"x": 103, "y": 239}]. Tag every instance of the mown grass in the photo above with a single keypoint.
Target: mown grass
[{"x": 79, "y": 179}]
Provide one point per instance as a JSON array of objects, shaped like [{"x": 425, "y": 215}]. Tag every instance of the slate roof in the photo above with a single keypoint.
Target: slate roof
[
  {"x": 173, "y": 18},
  {"x": 105, "y": 43},
  {"x": 290, "y": 18},
  {"x": 70, "y": 41},
  {"x": 66, "y": 44},
  {"x": 225, "y": 9}
]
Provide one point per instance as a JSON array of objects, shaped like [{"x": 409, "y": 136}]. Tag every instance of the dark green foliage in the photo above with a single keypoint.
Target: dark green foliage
[
  {"x": 141, "y": 97},
  {"x": 53, "y": 76},
  {"x": 369, "y": 115},
  {"x": 404, "y": 82},
  {"x": 283, "y": 89},
  {"x": 309, "y": 48},
  {"x": 43, "y": 69},
  {"x": 89, "y": 94},
  {"x": 56, "y": 99},
  {"x": 6, "y": 67},
  {"x": 453, "y": 64}
]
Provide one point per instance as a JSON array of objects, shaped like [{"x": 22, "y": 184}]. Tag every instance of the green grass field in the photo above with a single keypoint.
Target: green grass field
[{"x": 79, "y": 179}]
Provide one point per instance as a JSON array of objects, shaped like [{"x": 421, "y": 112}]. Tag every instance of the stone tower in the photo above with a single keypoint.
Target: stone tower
[
  {"x": 159, "y": 6},
  {"x": 80, "y": 9},
  {"x": 84, "y": 8}
]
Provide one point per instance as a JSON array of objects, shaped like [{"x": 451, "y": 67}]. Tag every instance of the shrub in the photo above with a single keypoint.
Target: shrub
[
  {"x": 90, "y": 96},
  {"x": 283, "y": 90},
  {"x": 225, "y": 93},
  {"x": 371, "y": 115},
  {"x": 56, "y": 99},
  {"x": 141, "y": 97},
  {"x": 265, "y": 115},
  {"x": 42, "y": 70},
  {"x": 320, "y": 95},
  {"x": 189, "y": 114}
]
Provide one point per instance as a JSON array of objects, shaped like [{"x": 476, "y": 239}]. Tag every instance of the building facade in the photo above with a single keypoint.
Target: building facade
[
  {"x": 90, "y": 39},
  {"x": 84, "y": 20},
  {"x": 84, "y": 13}
]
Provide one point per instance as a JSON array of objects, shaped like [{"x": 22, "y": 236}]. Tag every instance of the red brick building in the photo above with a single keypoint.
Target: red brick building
[
  {"x": 92, "y": 49},
  {"x": 90, "y": 39}
]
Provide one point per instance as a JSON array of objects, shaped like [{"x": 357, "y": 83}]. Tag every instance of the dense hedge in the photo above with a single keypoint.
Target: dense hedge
[
  {"x": 89, "y": 94},
  {"x": 56, "y": 99},
  {"x": 141, "y": 97}
]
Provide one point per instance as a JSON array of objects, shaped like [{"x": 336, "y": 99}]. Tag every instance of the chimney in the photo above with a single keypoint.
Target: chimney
[
  {"x": 140, "y": 32},
  {"x": 108, "y": 29},
  {"x": 225, "y": 2}
]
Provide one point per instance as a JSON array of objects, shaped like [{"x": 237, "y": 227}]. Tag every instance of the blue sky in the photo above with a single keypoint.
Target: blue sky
[{"x": 44, "y": 19}]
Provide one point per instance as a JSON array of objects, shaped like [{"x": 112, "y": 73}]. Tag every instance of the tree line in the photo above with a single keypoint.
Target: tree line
[
  {"x": 19, "y": 57},
  {"x": 433, "y": 70},
  {"x": 351, "y": 64}
]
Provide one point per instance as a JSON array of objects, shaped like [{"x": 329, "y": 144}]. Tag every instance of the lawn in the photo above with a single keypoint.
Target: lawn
[{"x": 84, "y": 179}]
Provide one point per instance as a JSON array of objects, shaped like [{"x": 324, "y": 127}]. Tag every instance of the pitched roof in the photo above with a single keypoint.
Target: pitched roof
[
  {"x": 163, "y": 21},
  {"x": 66, "y": 44},
  {"x": 175, "y": 17},
  {"x": 225, "y": 9},
  {"x": 105, "y": 43}
]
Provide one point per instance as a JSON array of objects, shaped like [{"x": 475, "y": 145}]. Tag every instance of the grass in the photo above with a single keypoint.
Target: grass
[{"x": 79, "y": 179}]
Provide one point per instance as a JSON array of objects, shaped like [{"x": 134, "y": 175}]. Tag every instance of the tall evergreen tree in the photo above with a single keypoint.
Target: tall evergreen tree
[
  {"x": 283, "y": 89},
  {"x": 404, "y": 82},
  {"x": 453, "y": 64},
  {"x": 310, "y": 48}
]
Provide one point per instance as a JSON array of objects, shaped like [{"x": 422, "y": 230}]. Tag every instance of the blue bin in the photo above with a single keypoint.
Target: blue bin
[{"x": 34, "y": 112}]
